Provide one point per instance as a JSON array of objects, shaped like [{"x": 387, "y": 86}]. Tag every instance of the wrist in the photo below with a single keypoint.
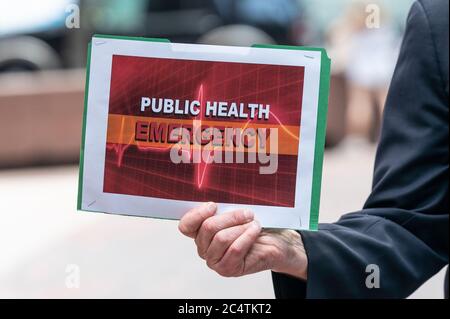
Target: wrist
[{"x": 294, "y": 261}]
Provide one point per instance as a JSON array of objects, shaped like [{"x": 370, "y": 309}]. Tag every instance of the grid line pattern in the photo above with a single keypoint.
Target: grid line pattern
[{"x": 147, "y": 172}]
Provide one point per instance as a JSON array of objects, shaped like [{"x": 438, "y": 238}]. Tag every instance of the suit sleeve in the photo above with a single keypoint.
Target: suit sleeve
[{"x": 403, "y": 227}]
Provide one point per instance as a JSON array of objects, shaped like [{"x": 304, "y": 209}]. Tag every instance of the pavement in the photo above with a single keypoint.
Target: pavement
[{"x": 48, "y": 249}]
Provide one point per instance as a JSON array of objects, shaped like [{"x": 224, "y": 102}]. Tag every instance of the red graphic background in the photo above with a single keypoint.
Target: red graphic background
[{"x": 150, "y": 172}]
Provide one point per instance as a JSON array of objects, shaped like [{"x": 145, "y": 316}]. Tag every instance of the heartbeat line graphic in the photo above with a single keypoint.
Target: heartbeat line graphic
[
  {"x": 120, "y": 149},
  {"x": 283, "y": 126},
  {"x": 201, "y": 171},
  {"x": 200, "y": 168}
]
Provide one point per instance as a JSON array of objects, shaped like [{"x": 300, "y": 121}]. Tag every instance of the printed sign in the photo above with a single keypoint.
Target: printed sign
[{"x": 168, "y": 126}]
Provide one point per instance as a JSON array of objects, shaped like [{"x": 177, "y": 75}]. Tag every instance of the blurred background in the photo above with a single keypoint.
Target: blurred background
[{"x": 45, "y": 243}]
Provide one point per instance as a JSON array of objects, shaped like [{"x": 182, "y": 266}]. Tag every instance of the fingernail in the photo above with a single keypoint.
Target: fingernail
[
  {"x": 248, "y": 214},
  {"x": 256, "y": 225},
  {"x": 211, "y": 207}
]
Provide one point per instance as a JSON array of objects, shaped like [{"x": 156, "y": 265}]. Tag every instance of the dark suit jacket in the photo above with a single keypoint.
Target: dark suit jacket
[{"x": 403, "y": 227}]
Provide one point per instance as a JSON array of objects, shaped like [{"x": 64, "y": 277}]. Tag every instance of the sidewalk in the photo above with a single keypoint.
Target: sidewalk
[{"x": 42, "y": 234}]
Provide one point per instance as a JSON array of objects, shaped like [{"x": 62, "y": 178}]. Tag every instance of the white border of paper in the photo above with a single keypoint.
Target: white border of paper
[{"x": 102, "y": 50}]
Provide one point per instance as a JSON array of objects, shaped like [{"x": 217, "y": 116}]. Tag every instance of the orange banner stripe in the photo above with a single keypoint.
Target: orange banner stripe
[{"x": 122, "y": 129}]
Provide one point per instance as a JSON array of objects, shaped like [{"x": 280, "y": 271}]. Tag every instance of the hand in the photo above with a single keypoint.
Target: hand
[{"x": 233, "y": 243}]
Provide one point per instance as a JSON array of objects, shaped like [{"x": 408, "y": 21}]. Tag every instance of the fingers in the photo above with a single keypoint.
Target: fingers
[
  {"x": 232, "y": 263},
  {"x": 193, "y": 219},
  {"x": 221, "y": 241},
  {"x": 213, "y": 225}
]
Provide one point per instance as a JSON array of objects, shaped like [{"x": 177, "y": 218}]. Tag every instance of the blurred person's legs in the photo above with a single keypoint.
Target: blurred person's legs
[
  {"x": 364, "y": 110},
  {"x": 359, "y": 113},
  {"x": 379, "y": 96},
  {"x": 337, "y": 106}
]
